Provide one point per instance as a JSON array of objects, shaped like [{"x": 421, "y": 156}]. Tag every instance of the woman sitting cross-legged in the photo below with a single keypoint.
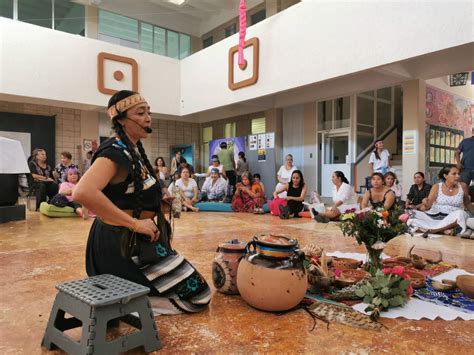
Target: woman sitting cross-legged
[
  {"x": 295, "y": 194},
  {"x": 418, "y": 193},
  {"x": 188, "y": 190},
  {"x": 70, "y": 179},
  {"x": 379, "y": 195},
  {"x": 343, "y": 196},
  {"x": 445, "y": 205},
  {"x": 248, "y": 196},
  {"x": 214, "y": 188},
  {"x": 42, "y": 177}
]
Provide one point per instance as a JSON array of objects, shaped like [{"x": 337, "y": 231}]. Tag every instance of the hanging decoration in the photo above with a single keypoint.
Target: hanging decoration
[{"x": 242, "y": 32}]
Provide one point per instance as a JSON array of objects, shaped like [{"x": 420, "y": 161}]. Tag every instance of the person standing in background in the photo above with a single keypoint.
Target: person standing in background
[
  {"x": 242, "y": 166},
  {"x": 466, "y": 164},
  {"x": 175, "y": 162},
  {"x": 379, "y": 159},
  {"x": 226, "y": 157}
]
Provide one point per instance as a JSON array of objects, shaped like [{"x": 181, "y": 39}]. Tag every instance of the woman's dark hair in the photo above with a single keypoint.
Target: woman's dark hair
[
  {"x": 301, "y": 177},
  {"x": 445, "y": 171},
  {"x": 380, "y": 175},
  {"x": 67, "y": 155},
  {"x": 215, "y": 157},
  {"x": 341, "y": 176},
  {"x": 419, "y": 173},
  {"x": 377, "y": 156},
  {"x": 242, "y": 156},
  {"x": 183, "y": 161},
  {"x": 392, "y": 174},
  {"x": 163, "y": 224},
  {"x": 156, "y": 161},
  {"x": 257, "y": 175}
]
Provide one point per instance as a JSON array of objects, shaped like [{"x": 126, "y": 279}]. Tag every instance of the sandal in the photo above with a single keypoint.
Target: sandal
[{"x": 467, "y": 234}]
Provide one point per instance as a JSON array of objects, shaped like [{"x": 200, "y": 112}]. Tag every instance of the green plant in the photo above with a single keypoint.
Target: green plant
[{"x": 389, "y": 288}]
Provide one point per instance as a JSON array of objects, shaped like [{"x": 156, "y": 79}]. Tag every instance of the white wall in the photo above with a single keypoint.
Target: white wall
[
  {"x": 317, "y": 40},
  {"x": 41, "y": 63}
]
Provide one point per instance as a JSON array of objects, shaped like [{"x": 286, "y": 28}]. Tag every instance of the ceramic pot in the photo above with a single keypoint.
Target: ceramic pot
[
  {"x": 225, "y": 265},
  {"x": 466, "y": 284},
  {"x": 272, "y": 283}
]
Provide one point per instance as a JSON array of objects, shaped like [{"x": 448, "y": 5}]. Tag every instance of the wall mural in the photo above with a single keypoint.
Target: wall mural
[{"x": 448, "y": 121}]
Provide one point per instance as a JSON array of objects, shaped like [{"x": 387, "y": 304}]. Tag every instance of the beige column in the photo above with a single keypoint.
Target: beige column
[
  {"x": 414, "y": 93},
  {"x": 274, "y": 123},
  {"x": 92, "y": 21},
  {"x": 271, "y": 7}
]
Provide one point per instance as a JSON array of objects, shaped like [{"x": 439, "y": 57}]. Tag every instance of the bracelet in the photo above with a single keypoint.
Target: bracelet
[{"x": 135, "y": 225}]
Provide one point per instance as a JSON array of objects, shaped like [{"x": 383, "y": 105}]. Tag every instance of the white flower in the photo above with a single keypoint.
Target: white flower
[
  {"x": 380, "y": 223},
  {"x": 379, "y": 246}
]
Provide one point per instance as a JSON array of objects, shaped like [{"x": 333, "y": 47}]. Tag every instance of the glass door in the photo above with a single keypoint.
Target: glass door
[{"x": 336, "y": 157}]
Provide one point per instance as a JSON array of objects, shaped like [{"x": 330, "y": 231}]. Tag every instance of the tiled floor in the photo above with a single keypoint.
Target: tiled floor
[{"x": 40, "y": 252}]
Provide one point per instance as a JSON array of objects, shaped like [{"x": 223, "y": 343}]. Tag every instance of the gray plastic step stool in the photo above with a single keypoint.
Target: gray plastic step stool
[{"x": 93, "y": 302}]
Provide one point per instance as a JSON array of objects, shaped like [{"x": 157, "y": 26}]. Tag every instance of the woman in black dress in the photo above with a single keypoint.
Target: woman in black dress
[
  {"x": 295, "y": 194},
  {"x": 131, "y": 238},
  {"x": 42, "y": 180}
]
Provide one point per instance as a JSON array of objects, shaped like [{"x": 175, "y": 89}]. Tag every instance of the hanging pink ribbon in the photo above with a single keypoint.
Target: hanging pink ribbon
[{"x": 242, "y": 32}]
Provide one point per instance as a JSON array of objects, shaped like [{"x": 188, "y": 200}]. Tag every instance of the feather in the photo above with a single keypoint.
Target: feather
[
  {"x": 331, "y": 312},
  {"x": 347, "y": 293}
]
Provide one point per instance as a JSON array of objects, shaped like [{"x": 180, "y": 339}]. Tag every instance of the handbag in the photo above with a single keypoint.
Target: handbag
[{"x": 59, "y": 200}]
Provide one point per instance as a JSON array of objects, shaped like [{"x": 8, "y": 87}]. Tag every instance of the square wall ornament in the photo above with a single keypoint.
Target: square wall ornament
[
  {"x": 240, "y": 77},
  {"x": 459, "y": 79},
  {"x": 115, "y": 73}
]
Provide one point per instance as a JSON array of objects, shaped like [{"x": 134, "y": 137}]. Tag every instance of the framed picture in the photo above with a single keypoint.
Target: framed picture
[
  {"x": 448, "y": 139},
  {"x": 432, "y": 136},
  {"x": 432, "y": 154},
  {"x": 437, "y": 137},
  {"x": 442, "y": 138},
  {"x": 437, "y": 155}
]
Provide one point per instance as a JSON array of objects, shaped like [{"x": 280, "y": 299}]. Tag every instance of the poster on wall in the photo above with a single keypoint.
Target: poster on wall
[
  {"x": 187, "y": 152},
  {"x": 270, "y": 140},
  {"x": 262, "y": 155},
  {"x": 261, "y": 141},
  {"x": 253, "y": 142},
  {"x": 89, "y": 144},
  {"x": 409, "y": 142},
  {"x": 236, "y": 144}
]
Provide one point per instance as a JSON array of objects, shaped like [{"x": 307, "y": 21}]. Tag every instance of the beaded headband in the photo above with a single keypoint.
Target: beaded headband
[{"x": 125, "y": 104}]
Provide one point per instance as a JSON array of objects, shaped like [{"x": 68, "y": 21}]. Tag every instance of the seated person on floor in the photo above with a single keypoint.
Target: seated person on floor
[
  {"x": 173, "y": 191},
  {"x": 70, "y": 179},
  {"x": 248, "y": 196},
  {"x": 418, "y": 193},
  {"x": 379, "y": 195},
  {"x": 42, "y": 177},
  {"x": 214, "y": 188},
  {"x": 445, "y": 206},
  {"x": 343, "y": 196},
  {"x": 216, "y": 164},
  {"x": 161, "y": 170},
  {"x": 60, "y": 169},
  {"x": 258, "y": 180},
  {"x": 188, "y": 190},
  {"x": 292, "y": 204},
  {"x": 391, "y": 182}
]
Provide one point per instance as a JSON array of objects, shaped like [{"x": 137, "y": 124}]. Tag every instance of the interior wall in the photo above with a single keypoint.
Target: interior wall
[
  {"x": 310, "y": 148},
  {"x": 293, "y": 135}
]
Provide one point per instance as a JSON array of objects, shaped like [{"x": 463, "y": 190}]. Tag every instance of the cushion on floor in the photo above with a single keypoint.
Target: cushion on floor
[
  {"x": 220, "y": 207},
  {"x": 53, "y": 211}
]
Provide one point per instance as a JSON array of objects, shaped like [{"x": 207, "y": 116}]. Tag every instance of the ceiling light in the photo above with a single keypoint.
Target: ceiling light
[{"x": 177, "y": 2}]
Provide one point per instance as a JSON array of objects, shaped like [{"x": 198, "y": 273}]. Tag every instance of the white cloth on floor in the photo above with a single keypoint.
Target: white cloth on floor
[{"x": 422, "y": 220}]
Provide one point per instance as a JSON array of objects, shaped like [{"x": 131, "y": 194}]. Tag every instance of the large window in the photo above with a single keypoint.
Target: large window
[
  {"x": 129, "y": 32},
  {"x": 229, "y": 130},
  {"x": 374, "y": 116},
  {"x": 61, "y": 15},
  {"x": 258, "y": 16},
  {"x": 207, "y": 42},
  {"x": 334, "y": 114},
  {"x": 258, "y": 125},
  {"x": 6, "y": 8},
  {"x": 230, "y": 30},
  {"x": 206, "y": 138}
]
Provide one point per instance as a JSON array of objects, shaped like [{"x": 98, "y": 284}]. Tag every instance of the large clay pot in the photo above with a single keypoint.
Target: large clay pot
[
  {"x": 272, "y": 283},
  {"x": 225, "y": 265}
]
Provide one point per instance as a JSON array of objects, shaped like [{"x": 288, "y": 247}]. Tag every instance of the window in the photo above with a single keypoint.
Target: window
[
  {"x": 206, "y": 137},
  {"x": 258, "y": 125},
  {"x": 129, "y": 32},
  {"x": 36, "y": 12},
  {"x": 6, "y": 8},
  {"x": 172, "y": 46},
  {"x": 146, "y": 37},
  {"x": 257, "y": 17},
  {"x": 229, "y": 31},
  {"x": 160, "y": 41},
  {"x": 229, "y": 130},
  {"x": 207, "y": 42},
  {"x": 184, "y": 46},
  {"x": 69, "y": 17},
  {"x": 118, "y": 26},
  {"x": 334, "y": 114}
]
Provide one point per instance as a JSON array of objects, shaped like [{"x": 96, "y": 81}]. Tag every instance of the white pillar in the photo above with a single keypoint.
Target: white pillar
[{"x": 414, "y": 117}]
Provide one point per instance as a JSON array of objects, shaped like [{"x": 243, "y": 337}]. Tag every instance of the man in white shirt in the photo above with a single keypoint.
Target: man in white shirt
[{"x": 215, "y": 187}]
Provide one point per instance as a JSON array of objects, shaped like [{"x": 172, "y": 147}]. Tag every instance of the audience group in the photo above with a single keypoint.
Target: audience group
[{"x": 445, "y": 207}]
